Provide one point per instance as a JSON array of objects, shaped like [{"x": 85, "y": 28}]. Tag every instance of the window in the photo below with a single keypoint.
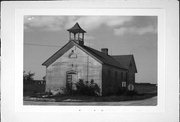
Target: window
[
  {"x": 123, "y": 84},
  {"x": 126, "y": 76},
  {"x": 121, "y": 75},
  {"x": 116, "y": 76},
  {"x": 109, "y": 73}
]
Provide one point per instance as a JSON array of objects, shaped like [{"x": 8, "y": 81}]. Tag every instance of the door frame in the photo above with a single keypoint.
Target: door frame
[{"x": 69, "y": 85}]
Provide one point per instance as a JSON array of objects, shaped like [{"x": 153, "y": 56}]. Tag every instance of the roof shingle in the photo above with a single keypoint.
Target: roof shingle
[
  {"x": 106, "y": 59},
  {"x": 124, "y": 60}
]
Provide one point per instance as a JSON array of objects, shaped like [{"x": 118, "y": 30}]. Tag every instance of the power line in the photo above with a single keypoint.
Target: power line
[{"x": 33, "y": 44}]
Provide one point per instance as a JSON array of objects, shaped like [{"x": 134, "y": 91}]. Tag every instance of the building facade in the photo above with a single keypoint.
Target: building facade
[{"x": 75, "y": 61}]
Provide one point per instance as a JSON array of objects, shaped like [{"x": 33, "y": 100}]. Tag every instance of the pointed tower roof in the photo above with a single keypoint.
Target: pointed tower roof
[{"x": 76, "y": 29}]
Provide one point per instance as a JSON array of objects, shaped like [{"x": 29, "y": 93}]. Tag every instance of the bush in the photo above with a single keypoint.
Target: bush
[
  {"x": 131, "y": 93},
  {"x": 86, "y": 88},
  {"x": 121, "y": 91}
]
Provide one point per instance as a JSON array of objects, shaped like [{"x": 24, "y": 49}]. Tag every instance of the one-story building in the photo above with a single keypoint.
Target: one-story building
[{"x": 76, "y": 61}]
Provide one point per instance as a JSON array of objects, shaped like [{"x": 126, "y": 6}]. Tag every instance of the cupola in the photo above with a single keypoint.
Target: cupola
[{"x": 76, "y": 33}]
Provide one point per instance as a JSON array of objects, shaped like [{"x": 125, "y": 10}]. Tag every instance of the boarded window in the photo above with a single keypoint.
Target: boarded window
[
  {"x": 115, "y": 76},
  {"x": 109, "y": 77},
  {"x": 123, "y": 84},
  {"x": 109, "y": 73}
]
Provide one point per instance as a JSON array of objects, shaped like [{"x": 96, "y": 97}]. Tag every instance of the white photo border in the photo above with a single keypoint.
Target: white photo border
[{"x": 12, "y": 108}]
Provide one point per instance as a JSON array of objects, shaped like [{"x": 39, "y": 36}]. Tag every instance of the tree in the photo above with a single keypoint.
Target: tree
[{"x": 28, "y": 76}]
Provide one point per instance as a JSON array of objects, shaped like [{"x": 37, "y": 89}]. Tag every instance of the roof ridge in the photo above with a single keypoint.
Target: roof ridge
[
  {"x": 94, "y": 50},
  {"x": 99, "y": 51},
  {"x": 123, "y": 55}
]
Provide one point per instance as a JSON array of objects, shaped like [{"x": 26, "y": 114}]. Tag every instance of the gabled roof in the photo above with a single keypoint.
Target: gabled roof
[
  {"x": 58, "y": 54},
  {"x": 125, "y": 60},
  {"x": 65, "y": 48},
  {"x": 106, "y": 59},
  {"x": 97, "y": 55},
  {"x": 118, "y": 61},
  {"x": 76, "y": 28}
]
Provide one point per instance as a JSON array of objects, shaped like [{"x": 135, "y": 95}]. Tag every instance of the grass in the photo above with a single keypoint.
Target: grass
[
  {"x": 103, "y": 98},
  {"x": 75, "y": 98}
]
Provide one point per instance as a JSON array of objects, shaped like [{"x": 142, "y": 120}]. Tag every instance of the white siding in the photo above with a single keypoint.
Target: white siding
[{"x": 87, "y": 68}]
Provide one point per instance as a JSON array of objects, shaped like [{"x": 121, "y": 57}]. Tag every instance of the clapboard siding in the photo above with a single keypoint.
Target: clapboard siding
[
  {"x": 131, "y": 73},
  {"x": 112, "y": 79},
  {"x": 86, "y": 67}
]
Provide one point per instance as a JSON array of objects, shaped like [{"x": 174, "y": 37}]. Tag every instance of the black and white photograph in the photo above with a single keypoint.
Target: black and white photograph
[{"x": 90, "y": 60}]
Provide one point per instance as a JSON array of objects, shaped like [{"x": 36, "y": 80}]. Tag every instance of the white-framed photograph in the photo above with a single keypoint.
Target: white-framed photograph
[{"x": 89, "y": 58}]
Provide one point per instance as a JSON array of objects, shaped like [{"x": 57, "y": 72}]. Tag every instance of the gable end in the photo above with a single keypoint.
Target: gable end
[{"x": 64, "y": 49}]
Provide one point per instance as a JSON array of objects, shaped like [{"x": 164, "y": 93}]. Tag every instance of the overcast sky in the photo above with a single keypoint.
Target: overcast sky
[{"x": 122, "y": 35}]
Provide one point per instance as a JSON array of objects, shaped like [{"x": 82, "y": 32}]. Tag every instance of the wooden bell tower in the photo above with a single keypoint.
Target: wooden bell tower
[{"x": 76, "y": 33}]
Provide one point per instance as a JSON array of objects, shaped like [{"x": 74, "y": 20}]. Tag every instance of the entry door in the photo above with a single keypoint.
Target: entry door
[
  {"x": 71, "y": 80},
  {"x": 74, "y": 81}
]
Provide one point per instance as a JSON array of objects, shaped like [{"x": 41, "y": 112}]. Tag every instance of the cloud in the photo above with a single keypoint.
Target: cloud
[
  {"x": 135, "y": 30},
  {"x": 88, "y": 37},
  {"x": 120, "y": 24},
  {"x": 88, "y": 23},
  {"x": 93, "y": 22},
  {"x": 44, "y": 22}
]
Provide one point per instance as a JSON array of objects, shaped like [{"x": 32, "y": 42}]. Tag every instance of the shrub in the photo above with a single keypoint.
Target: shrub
[
  {"x": 86, "y": 88},
  {"x": 121, "y": 91},
  {"x": 131, "y": 93},
  {"x": 28, "y": 76}
]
